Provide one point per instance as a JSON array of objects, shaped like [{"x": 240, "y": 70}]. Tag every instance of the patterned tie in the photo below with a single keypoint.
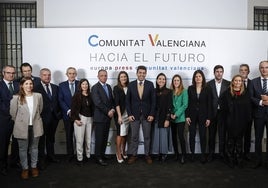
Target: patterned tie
[
  {"x": 48, "y": 92},
  {"x": 10, "y": 88},
  {"x": 106, "y": 90},
  {"x": 72, "y": 89},
  {"x": 264, "y": 87}
]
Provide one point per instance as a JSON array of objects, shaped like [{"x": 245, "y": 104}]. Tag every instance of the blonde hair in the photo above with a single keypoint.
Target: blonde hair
[{"x": 242, "y": 89}]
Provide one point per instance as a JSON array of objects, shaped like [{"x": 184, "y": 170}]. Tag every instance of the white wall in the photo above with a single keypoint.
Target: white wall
[{"x": 146, "y": 13}]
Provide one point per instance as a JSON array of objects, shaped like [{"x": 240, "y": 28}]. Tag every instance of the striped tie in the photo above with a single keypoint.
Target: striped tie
[{"x": 264, "y": 87}]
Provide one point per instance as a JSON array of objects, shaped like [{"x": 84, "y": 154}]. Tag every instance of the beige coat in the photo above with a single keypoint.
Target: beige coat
[{"x": 20, "y": 115}]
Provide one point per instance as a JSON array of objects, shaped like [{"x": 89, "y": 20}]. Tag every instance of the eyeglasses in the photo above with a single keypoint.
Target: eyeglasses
[{"x": 10, "y": 73}]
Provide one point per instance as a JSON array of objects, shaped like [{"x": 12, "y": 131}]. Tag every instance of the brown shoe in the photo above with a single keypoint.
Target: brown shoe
[
  {"x": 148, "y": 159},
  {"x": 25, "y": 174},
  {"x": 35, "y": 172},
  {"x": 132, "y": 160}
]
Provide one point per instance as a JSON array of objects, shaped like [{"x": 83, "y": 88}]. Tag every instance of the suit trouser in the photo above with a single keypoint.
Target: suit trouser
[
  {"x": 69, "y": 133},
  {"x": 83, "y": 133},
  {"x": 234, "y": 147},
  {"x": 101, "y": 138},
  {"x": 48, "y": 139},
  {"x": 134, "y": 140},
  {"x": 178, "y": 129},
  {"x": 202, "y": 135},
  {"x": 32, "y": 143},
  {"x": 217, "y": 123},
  {"x": 259, "y": 124},
  {"x": 14, "y": 156},
  {"x": 247, "y": 138},
  {"x": 6, "y": 129}
]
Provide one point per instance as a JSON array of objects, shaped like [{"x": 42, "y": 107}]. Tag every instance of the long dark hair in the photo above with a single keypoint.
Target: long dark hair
[
  {"x": 203, "y": 78},
  {"x": 157, "y": 86},
  {"x": 79, "y": 86},
  {"x": 118, "y": 79},
  {"x": 22, "y": 94}
]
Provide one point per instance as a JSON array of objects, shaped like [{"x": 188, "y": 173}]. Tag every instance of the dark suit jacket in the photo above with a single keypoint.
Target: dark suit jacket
[
  {"x": 51, "y": 108},
  {"x": 36, "y": 80},
  {"x": 255, "y": 89},
  {"x": 102, "y": 104},
  {"x": 5, "y": 98},
  {"x": 199, "y": 107},
  {"x": 65, "y": 97},
  {"x": 237, "y": 112},
  {"x": 146, "y": 105},
  {"x": 120, "y": 98},
  {"x": 215, "y": 99}
]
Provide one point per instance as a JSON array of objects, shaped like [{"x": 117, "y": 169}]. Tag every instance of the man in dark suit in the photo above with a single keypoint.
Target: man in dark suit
[
  {"x": 244, "y": 71},
  {"x": 66, "y": 91},
  {"x": 218, "y": 85},
  {"x": 140, "y": 105},
  {"x": 258, "y": 91},
  {"x": 26, "y": 71},
  {"x": 51, "y": 115},
  {"x": 104, "y": 110},
  {"x": 7, "y": 89}
]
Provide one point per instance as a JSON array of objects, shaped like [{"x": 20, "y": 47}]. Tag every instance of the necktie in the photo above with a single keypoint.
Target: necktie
[
  {"x": 140, "y": 89},
  {"x": 48, "y": 92},
  {"x": 106, "y": 90},
  {"x": 10, "y": 88},
  {"x": 264, "y": 87},
  {"x": 245, "y": 83},
  {"x": 72, "y": 89}
]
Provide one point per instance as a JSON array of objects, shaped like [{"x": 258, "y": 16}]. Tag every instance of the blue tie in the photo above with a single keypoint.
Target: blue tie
[
  {"x": 72, "y": 89},
  {"x": 48, "y": 92},
  {"x": 106, "y": 90}
]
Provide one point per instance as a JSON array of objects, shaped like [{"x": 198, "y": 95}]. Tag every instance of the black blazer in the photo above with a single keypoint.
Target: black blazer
[
  {"x": 36, "y": 80},
  {"x": 236, "y": 111},
  {"x": 255, "y": 89},
  {"x": 199, "y": 107},
  {"x": 163, "y": 106},
  {"x": 102, "y": 104},
  {"x": 5, "y": 98},
  {"x": 51, "y": 108},
  {"x": 215, "y": 99},
  {"x": 135, "y": 105},
  {"x": 120, "y": 100}
]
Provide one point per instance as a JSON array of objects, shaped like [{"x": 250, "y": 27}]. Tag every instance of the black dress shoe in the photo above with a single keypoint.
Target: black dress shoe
[
  {"x": 203, "y": 159},
  {"x": 192, "y": 157},
  {"x": 79, "y": 163},
  {"x": 70, "y": 158},
  {"x": 182, "y": 161},
  {"x": 246, "y": 157},
  {"x": 106, "y": 157},
  {"x": 53, "y": 160},
  {"x": 210, "y": 157},
  {"x": 101, "y": 162},
  {"x": 3, "y": 171},
  {"x": 163, "y": 158},
  {"x": 41, "y": 164},
  {"x": 15, "y": 165},
  {"x": 257, "y": 165}
]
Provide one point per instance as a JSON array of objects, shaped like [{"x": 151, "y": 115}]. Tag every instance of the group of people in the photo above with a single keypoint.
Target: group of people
[{"x": 31, "y": 107}]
